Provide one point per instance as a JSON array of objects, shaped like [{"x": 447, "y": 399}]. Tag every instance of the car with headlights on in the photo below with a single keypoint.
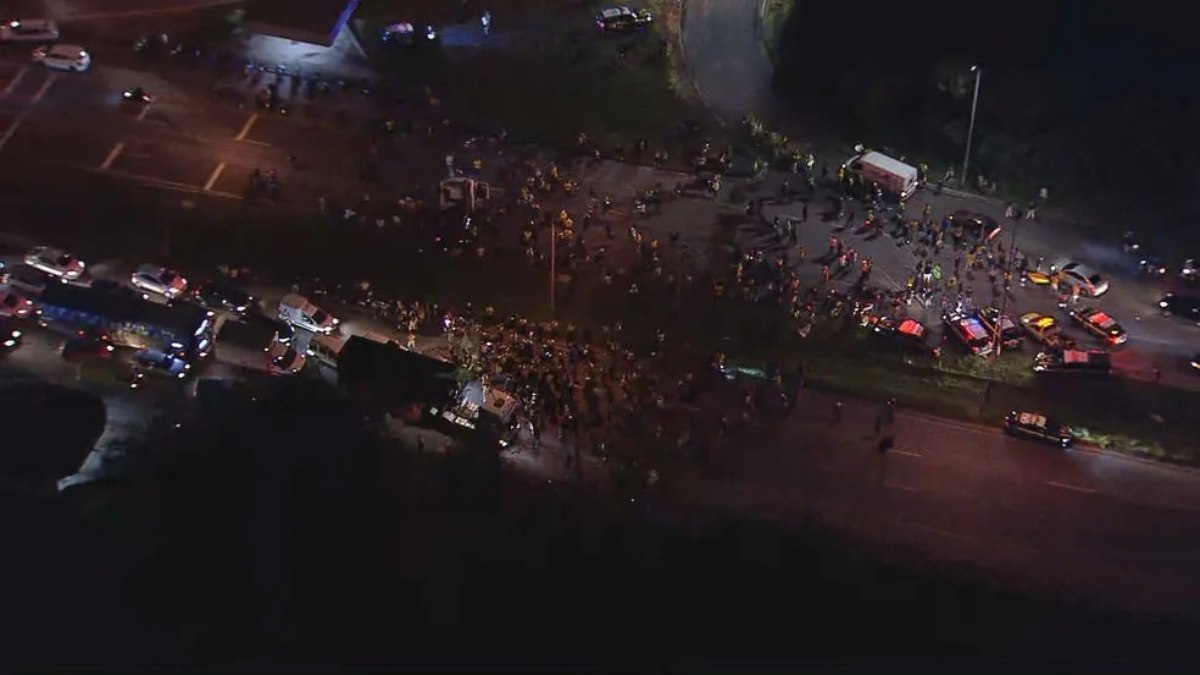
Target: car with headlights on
[
  {"x": 159, "y": 280},
  {"x": 160, "y": 363},
  {"x": 1038, "y": 427},
  {"x": 1079, "y": 277},
  {"x": 15, "y": 305},
  {"x": 55, "y": 262},
  {"x": 1186, "y": 306},
  {"x": 10, "y": 335}
]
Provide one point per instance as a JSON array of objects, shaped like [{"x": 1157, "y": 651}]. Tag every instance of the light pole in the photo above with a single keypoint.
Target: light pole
[
  {"x": 997, "y": 339},
  {"x": 553, "y": 259},
  {"x": 971, "y": 127}
]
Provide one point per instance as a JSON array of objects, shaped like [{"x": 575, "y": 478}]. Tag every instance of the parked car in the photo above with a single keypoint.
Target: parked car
[
  {"x": 1077, "y": 276},
  {"x": 28, "y": 30},
  {"x": 1186, "y": 306},
  {"x": 15, "y": 305},
  {"x": 55, "y": 262},
  {"x": 995, "y": 322},
  {"x": 27, "y": 280},
  {"x": 969, "y": 331},
  {"x": 909, "y": 334},
  {"x": 1100, "y": 323},
  {"x": 298, "y": 311},
  {"x": 1038, "y": 427},
  {"x": 159, "y": 280},
  {"x": 223, "y": 295},
  {"x": 983, "y": 228},
  {"x": 1044, "y": 329},
  {"x": 1090, "y": 362}
]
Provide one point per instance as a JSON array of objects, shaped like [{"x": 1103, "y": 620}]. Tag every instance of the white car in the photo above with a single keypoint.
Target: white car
[
  {"x": 15, "y": 305},
  {"x": 1087, "y": 280},
  {"x": 55, "y": 262},
  {"x": 63, "y": 57},
  {"x": 160, "y": 280},
  {"x": 298, "y": 311},
  {"x": 28, "y": 30}
]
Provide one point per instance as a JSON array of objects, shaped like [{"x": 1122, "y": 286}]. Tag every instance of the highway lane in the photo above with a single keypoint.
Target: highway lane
[{"x": 1081, "y": 521}]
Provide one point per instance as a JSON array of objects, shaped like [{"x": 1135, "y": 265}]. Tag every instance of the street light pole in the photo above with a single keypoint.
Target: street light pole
[
  {"x": 997, "y": 341},
  {"x": 971, "y": 127}
]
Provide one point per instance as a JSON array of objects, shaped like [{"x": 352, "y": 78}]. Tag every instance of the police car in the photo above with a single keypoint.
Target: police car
[
  {"x": 622, "y": 18},
  {"x": 969, "y": 331},
  {"x": 1038, "y": 427}
]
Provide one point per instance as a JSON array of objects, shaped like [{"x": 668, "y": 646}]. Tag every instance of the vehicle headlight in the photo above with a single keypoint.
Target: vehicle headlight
[
  {"x": 181, "y": 375},
  {"x": 1162, "y": 303},
  {"x": 10, "y": 343}
]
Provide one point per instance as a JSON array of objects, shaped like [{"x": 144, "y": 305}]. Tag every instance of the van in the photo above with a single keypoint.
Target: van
[
  {"x": 324, "y": 349},
  {"x": 63, "y": 57}
]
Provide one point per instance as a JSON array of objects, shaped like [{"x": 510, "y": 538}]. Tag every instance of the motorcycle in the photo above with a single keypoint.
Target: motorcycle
[
  {"x": 1189, "y": 272},
  {"x": 138, "y": 95},
  {"x": 1151, "y": 267},
  {"x": 1129, "y": 243}
]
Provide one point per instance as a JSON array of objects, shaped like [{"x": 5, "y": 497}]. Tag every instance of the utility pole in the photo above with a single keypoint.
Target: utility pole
[
  {"x": 997, "y": 341},
  {"x": 971, "y": 127},
  {"x": 553, "y": 260}
]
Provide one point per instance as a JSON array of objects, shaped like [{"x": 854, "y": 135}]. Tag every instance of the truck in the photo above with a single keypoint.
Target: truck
[
  {"x": 891, "y": 175},
  {"x": 182, "y": 329},
  {"x": 1078, "y": 361},
  {"x": 257, "y": 344}
]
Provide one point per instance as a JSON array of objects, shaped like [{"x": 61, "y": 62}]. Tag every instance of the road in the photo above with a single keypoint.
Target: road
[{"x": 727, "y": 62}]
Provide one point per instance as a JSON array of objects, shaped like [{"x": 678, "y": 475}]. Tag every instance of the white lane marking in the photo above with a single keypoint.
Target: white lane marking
[
  {"x": 907, "y": 453},
  {"x": 12, "y": 84},
  {"x": 142, "y": 115},
  {"x": 112, "y": 156},
  {"x": 12, "y": 129},
  {"x": 1068, "y": 486},
  {"x": 45, "y": 87},
  {"x": 246, "y": 127},
  {"x": 212, "y": 177},
  {"x": 163, "y": 183}
]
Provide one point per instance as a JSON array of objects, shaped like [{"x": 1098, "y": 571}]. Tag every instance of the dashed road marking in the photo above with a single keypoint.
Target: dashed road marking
[
  {"x": 12, "y": 84},
  {"x": 246, "y": 127},
  {"x": 1068, "y": 486},
  {"x": 162, "y": 183},
  {"x": 142, "y": 114},
  {"x": 112, "y": 156},
  {"x": 44, "y": 88},
  {"x": 212, "y": 178},
  {"x": 906, "y": 453},
  {"x": 12, "y": 129}
]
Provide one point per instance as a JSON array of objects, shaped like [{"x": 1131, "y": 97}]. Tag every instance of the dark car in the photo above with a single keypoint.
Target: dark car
[
  {"x": 1186, "y": 306},
  {"x": 1038, "y": 427},
  {"x": 10, "y": 334},
  {"x": 283, "y": 330},
  {"x": 217, "y": 295},
  {"x": 88, "y": 343},
  {"x": 1010, "y": 334},
  {"x": 622, "y": 19},
  {"x": 1084, "y": 362},
  {"x": 980, "y": 226}
]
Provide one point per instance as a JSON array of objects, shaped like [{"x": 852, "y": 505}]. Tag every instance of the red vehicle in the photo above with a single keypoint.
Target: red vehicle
[{"x": 969, "y": 331}]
